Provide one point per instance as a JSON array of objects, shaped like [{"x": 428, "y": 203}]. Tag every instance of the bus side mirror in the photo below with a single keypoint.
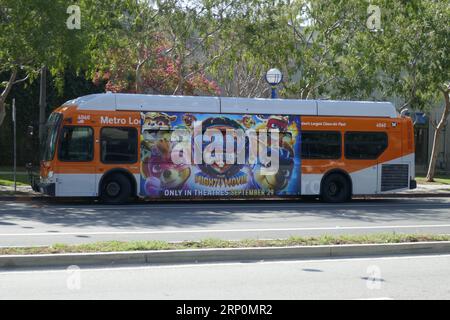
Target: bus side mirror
[
  {"x": 405, "y": 113},
  {"x": 30, "y": 131}
]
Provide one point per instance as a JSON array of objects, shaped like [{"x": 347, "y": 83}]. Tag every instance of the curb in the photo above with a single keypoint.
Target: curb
[{"x": 220, "y": 255}]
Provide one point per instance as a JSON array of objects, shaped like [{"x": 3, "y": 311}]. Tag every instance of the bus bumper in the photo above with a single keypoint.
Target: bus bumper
[
  {"x": 47, "y": 188},
  {"x": 413, "y": 184}
]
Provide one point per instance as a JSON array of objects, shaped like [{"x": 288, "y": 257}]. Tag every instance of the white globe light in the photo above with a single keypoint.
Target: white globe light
[{"x": 274, "y": 76}]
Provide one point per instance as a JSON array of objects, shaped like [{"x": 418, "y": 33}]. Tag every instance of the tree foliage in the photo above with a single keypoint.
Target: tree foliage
[
  {"x": 158, "y": 49},
  {"x": 33, "y": 33}
]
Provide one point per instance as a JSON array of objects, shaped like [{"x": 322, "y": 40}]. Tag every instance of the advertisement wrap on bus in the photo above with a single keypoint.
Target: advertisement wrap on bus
[
  {"x": 122, "y": 146},
  {"x": 242, "y": 162}
]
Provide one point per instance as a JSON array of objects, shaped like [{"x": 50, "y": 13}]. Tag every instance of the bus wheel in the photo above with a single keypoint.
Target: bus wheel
[
  {"x": 335, "y": 188},
  {"x": 115, "y": 189}
]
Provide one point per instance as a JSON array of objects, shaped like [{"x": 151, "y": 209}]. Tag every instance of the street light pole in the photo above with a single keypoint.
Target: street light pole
[
  {"x": 274, "y": 78},
  {"x": 274, "y": 93}
]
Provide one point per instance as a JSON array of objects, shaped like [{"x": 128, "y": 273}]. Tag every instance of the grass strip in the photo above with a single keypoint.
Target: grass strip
[
  {"x": 8, "y": 180},
  {"x": 437, "y": 180},
  {"x": 114, "y": 246}
]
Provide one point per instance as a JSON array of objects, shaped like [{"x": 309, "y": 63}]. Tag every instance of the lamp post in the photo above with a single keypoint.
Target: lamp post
[{"x": 274, "y": 78}]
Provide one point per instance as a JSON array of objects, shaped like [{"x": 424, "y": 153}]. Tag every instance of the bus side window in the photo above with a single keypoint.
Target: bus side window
[
  {"x": 76, "y": 144},
  {"x": 365, "y": 145},
  {"x": 321, "y": 145},
  {"x": 119, "y": 145}
]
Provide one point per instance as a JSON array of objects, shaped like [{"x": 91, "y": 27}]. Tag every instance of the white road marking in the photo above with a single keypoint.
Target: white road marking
[
  {"x": 225, "y": 230},
  {"x": 379, "y": 298}
]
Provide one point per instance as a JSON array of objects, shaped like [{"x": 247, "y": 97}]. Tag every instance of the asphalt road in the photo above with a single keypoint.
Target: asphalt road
[
  {"x": 414, "y": 277},
  {"x": 44, "y": 223}
]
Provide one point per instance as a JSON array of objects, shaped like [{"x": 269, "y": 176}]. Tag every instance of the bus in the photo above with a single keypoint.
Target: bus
[{"x": 122, "y": 146}]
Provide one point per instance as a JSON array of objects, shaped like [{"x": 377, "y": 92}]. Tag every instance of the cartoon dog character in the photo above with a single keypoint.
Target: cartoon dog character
[
  {"x": 248, "y": 121},
  {"x": 280, "y": 123},
  {"x": 279, "y": 180},
  {"x": 188, "y": 120},
  {"x": 163, "y": 175},
  {"x": 157, "y": 121},
  {"x": 153, "y": 138}
]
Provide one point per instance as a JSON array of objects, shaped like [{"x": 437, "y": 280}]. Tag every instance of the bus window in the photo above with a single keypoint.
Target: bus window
[
  {"x": 119, "y": 145},
  {"x": 76, "y": 144},
  {"x": 365, "y": 145},
  {"x": 321, "y": 145},
  {"x": 48, "y": 145}
]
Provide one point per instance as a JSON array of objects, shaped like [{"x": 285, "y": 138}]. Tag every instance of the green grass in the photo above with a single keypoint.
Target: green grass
[
  {"x": 114, "y": 246},
  {"x": 442, "y": 179},
  {"x": 8, "y": 179}
]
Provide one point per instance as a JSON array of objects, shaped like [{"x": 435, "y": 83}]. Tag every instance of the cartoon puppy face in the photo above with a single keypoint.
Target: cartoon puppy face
[
  {"x": 279, "y": 180},
  {"x": 163, "y": 175},
  {"x": 157, "y": 143},
  {"x": 171, "y": 176},
  {"x": 189, "y": 120},
  {"x": 248, "y": 121},
  {"x": 157, "y": 121}
]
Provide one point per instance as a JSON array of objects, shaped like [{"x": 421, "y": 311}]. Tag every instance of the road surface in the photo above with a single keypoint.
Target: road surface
[
  {"x": 43, "y": 223},
  {"x": 413, "y": 277}
]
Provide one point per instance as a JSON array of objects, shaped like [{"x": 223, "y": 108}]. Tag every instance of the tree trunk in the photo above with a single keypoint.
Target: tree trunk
[
  {"x": 434, "y": 154},
  {"x": 138, "y": 79},
  {"x": 4, "y": 95},
  {"x": 437, "y": 138}
]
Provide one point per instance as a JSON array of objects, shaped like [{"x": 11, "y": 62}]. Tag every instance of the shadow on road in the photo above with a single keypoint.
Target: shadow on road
[{"x": 143, "y": 215}]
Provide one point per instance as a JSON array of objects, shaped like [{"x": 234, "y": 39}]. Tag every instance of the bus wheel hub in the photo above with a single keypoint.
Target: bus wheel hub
[
  {"x": 333, "y": 188},
  {"x": 113, "y": 189}
]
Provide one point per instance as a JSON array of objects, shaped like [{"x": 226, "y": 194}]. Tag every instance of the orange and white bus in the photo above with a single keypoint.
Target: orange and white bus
[{"x": 120, "y": 146}]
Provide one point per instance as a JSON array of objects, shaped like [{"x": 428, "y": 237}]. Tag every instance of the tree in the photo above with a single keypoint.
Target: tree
[
  {"x": 320, "y": 46},
  {"x": 238, "y": 65},
  {"x": 159, "y": 48},
  {"x": 415, "y": 58},
  {"x": 33, "y": 34}
]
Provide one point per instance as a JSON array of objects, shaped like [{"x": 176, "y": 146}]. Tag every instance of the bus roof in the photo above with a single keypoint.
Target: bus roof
[{"x": 141, "y": 102}]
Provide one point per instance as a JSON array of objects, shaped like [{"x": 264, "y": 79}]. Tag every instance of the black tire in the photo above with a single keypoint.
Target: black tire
[
  {"x": 115, "y": 189},
  {"x": 336, "y": 188}
]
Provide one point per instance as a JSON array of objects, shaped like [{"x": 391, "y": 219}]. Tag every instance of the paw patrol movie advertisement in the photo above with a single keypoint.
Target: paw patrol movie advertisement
[{"x": 186, "y": 155}]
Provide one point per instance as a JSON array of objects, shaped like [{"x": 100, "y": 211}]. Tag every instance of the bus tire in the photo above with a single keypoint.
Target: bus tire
[
  {"x": 115, "y": 189},
  {"x": 335, "y": 188}
]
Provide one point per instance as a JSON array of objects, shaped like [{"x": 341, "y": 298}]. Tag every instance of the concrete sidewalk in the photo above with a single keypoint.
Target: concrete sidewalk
[
  {"x": 21, "y": 190},
  {"x": 432, "y": 188}
]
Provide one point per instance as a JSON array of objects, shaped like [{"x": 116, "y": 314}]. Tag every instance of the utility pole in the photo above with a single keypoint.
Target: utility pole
[{"x": 42, "y": 102}]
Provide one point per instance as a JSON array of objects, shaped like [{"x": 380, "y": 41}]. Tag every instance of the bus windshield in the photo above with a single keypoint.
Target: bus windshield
[{"x": 48, "y": 145}]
